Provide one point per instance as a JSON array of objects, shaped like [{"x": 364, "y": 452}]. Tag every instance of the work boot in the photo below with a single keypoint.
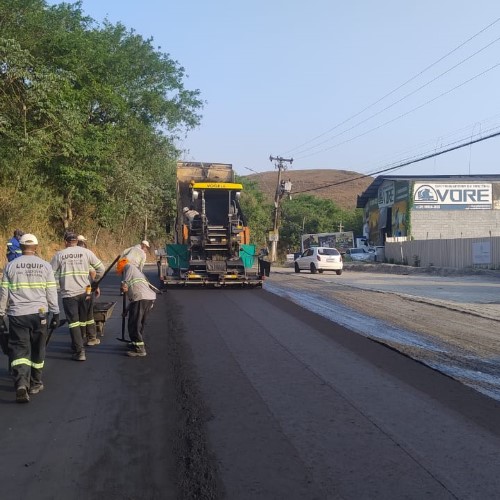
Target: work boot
[
  {"x": 137, "y": 352},
  {"x": 95, "y": 341},
  {"x": 35, "y": 389},
  {"x": 79, "y": 356},
  {"x": 22, "y": 394}
]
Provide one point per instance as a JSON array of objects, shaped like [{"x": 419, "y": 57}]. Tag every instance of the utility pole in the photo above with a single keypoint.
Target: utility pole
[{"x": 281, "y": 188}]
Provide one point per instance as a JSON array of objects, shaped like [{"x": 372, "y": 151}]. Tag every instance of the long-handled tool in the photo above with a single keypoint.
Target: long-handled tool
[
  {"x": 4, "y": 343},
  {"x": 124, "y": 317},
  {"x": 157, "y": 290},
  {"x": 95, "y": 284},
  {"x": 51, "y": 330}
]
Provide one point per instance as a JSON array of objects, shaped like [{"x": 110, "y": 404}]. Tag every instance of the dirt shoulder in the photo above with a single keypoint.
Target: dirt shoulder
[{"x": 460, "y": 340}]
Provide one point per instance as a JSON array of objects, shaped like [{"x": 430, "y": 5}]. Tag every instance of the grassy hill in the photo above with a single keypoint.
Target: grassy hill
[{"x": 343, "y": 195}]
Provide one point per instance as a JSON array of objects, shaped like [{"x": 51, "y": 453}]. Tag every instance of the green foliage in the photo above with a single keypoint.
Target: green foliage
[
  {"x": 307, "y": 214},
  {"x": 89, "y": 115},
  {"x": 256, "y": 210}
]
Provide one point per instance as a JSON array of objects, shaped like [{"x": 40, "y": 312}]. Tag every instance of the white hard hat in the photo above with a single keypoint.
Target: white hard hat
[
  {"x": 185, "y": 209},
  {"x": 81, "y": 238},
  {"x": 28, "y": 239},
  {"x": 145, "y": 243}
]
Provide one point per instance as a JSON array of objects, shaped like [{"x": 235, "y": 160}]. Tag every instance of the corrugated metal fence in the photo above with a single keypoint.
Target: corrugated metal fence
[{"x": 459, "y": 253}]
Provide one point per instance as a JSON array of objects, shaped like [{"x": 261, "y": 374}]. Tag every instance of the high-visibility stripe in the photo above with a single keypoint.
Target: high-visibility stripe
[
  {"x": 20, "y": 361},
  {"x": 73, "y": 273},
  {"x": 98, "y": 264},
  {"x": 22, "y": 285},
  {"x": 89, "y": 322},
  {"x": 26, "y": 361},
  {"x": 75, "y": 324},
  {"x": 138, "y": 343},
  {"x": 137, "y": 280}
]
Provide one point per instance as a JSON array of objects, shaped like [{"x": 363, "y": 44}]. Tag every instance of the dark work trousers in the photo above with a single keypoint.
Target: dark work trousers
[
  {"x": 27, "y": 338},
  {"x": 77, "y": 310},
  {"x": 264, "y": 267},
  {"x": 90, "y": 323},
  {"x": 137, "y": 315}
]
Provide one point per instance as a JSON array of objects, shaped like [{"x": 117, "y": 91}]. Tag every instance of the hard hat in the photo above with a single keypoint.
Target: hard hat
[
  {"x": 185, "y": 209},
  {"x": 120, "y": 265},
  {"x": 81, "y": 238},
  {"x": 145, "y": 243},
  {"x": 28, "y": 239}
]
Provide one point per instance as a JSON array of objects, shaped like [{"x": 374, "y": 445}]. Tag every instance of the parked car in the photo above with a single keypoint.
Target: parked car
[
  {"x": 319, "y": 259},
  {"x": 360, "y": 254}
]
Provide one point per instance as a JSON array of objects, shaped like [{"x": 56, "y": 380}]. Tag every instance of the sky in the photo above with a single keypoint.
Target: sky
[{"x": 359, "y": 85}]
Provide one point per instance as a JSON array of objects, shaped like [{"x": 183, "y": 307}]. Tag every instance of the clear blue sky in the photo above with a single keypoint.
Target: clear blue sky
[{"x": 292, "y": 78}]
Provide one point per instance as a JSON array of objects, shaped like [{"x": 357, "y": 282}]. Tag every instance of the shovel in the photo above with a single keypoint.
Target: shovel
[
  {"x": 124, "y": 316},
  {"x": 51, "y": 331}
]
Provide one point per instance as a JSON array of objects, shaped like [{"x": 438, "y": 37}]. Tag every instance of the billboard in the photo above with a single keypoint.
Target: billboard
[
  {"x": 341, "y": 241},
  {"x": 452, "y": 196}
]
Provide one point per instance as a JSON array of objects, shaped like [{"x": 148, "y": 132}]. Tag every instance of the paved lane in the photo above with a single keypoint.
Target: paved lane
[{"x": 302, "y": 408}]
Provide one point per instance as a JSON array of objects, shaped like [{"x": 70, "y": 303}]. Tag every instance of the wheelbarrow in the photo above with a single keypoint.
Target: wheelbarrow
[{"x": 102, "y": 312}]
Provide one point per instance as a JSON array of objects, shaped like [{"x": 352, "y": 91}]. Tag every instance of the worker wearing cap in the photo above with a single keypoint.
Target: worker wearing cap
[
  {"x": 82, "y": 241},
  {"x": 13, "y": 246},
  {"x": 136, "y": 255},
  {"x": 72, "y": 267},
  {"x": 141, "y": 298},
  {"x": 189, "y": 215},
  {"x": 28, "y": 293}
]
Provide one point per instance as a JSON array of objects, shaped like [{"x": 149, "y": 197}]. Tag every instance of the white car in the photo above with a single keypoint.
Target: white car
[
  {"x": 360, "y": 254},
  {"x": 319, "y": 259}
]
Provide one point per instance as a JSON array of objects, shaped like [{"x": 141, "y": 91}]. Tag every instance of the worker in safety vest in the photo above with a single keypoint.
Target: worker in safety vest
[
  {"x": 28, "y": 293},
  {"x": 141, "y": 297},
  {"x": 72, "y": 268},
  {"x": 13, "y": 246},
  {"x": 136, "y": 255}
]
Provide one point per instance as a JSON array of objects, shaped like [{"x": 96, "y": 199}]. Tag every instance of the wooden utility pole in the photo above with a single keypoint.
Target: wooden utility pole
[{"x": 280, "y": 164}]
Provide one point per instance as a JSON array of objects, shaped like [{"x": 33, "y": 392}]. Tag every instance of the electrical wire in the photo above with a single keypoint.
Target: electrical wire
[
  {"x": 397, "y": 88},
  {"x": 401, "y": 165},
  {"x": 399, "y": 100},
  {"x": 403, "y": 114}
]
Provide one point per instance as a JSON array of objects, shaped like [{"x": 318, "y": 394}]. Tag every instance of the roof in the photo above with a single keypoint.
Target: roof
[{"x": 372, "y": 190}]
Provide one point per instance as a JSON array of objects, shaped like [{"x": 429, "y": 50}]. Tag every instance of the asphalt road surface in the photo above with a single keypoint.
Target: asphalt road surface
[{"x": 245, "y": 395}]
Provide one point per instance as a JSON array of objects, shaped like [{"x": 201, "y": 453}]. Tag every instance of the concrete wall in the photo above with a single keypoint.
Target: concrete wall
[
  {"x": 443, "y": 224},
  {"x": 457, "y": 253}
]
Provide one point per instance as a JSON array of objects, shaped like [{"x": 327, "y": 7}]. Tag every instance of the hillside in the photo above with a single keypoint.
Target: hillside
[{"x": 343, "y": 195}]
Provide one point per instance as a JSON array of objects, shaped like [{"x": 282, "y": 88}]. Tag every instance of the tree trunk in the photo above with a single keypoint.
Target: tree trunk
[{"x": 67, "y": 218}]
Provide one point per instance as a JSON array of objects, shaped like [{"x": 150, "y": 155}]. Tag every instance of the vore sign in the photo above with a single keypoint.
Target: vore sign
[{"x": 452, "y": 196}]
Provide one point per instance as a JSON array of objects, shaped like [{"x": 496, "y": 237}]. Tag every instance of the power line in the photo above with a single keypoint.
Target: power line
[
  {"x": 399, "y": 100},
  {"x": 401, "y": 165},
  {"x": 397, "y": 88},
  {"x": 403, "y": 114}
]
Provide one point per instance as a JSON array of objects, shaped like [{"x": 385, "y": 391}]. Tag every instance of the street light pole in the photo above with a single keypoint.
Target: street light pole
[{"x": 280, "y": 165}]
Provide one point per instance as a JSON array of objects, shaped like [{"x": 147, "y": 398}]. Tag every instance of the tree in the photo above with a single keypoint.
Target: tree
[
  {"x": 91, "y": 113},
  {"x": 256, "y": 210},
  {"x": 307, "y": 214}
]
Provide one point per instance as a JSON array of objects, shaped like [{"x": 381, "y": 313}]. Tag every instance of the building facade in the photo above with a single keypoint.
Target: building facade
[{"x": 431, "y": 207}]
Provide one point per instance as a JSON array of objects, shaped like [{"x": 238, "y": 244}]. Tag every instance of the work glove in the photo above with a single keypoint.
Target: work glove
[
  {"x": 3, "y": 326},
  {"x": 54, "y": 322}
]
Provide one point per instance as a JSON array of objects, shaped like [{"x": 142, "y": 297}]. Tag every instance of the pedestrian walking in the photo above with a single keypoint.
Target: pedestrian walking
[
  {"x": 13, "y": 246},
  {"x": 141, "y": 298},
  {"x": 28, "y": 293},
  {"x": 72, "y": 267},
  {"x": 136, "y": 255}
]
